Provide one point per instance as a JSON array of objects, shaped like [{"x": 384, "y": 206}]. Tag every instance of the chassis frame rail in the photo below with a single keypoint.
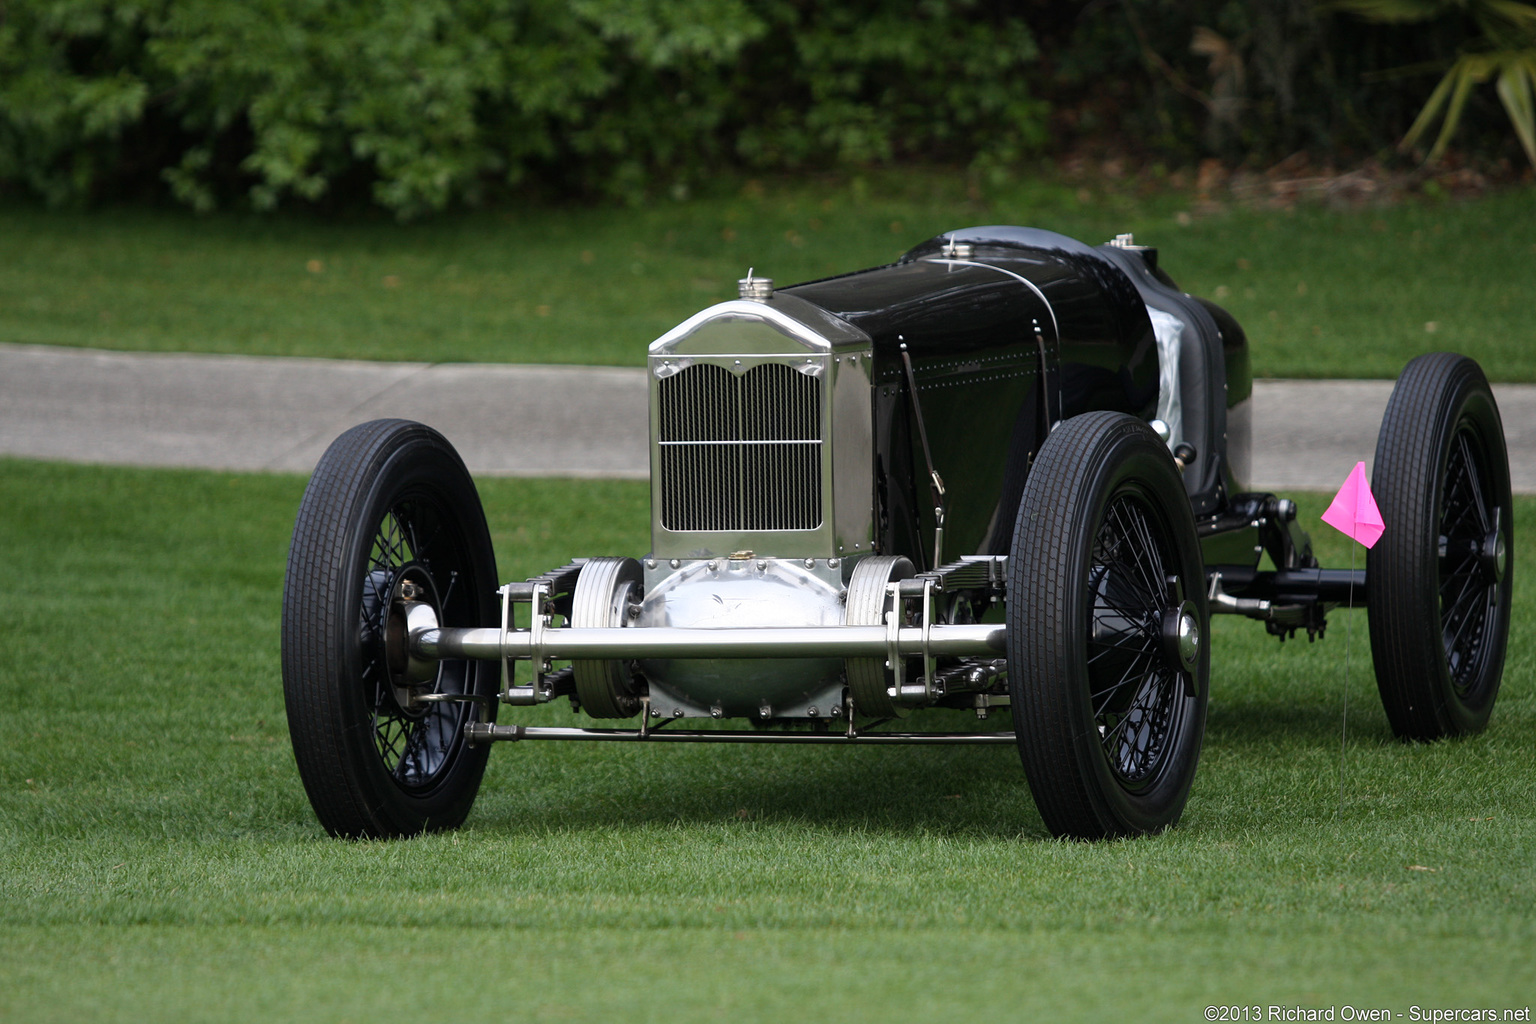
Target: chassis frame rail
[{"x": 481, "y": 732}]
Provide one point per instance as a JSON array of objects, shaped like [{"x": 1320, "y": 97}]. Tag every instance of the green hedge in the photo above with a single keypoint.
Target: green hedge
[
  {"x": 1253, "y": 81},
  {"x": 419, "y": 104},
  {"x": 416, "y": 105}
]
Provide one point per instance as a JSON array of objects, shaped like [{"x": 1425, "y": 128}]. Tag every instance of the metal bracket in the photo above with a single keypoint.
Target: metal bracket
[
  {"x": 1048, "y": 422},
  {"x": 482, "y": 703},
  {"x": 535, "y": 592},
  {"x": 1221, "y": 602},
  {"x": 508, "y": 670},
  {"x": 920, "y": 588},
  {"x": 935, "y": 482},
  {"x": 928, "y": 659},
  {"x": 537, "y": 623}
]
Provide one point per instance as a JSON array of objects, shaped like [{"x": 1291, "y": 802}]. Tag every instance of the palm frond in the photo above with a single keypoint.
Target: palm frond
[
  {"x": 1512, "y": 15},
  {"x": 1431, "y": 110},
  {"x": 1515, "y": 86},
  {"x": 1467, "y": 72},
  {"x": 1395, "y": 11}
]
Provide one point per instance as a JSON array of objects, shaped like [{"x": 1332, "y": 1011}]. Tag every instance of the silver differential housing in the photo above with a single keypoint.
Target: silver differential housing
[{"x": 736, "y": 592}]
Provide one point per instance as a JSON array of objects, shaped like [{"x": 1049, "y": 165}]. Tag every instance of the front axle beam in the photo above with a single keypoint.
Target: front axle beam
[{"x": 567, "y": 643}]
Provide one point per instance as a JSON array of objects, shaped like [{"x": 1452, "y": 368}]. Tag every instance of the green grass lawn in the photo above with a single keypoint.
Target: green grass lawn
[
  {"x": 158, "y": 859},
  {"x": 1323, "y": 293}
]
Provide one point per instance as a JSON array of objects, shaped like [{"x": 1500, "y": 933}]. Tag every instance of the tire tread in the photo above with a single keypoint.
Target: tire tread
[
  {"x": 1406, "y": 647},
  {"x": 330, "y": 746},
  {"x": 1056, "y": 508}
]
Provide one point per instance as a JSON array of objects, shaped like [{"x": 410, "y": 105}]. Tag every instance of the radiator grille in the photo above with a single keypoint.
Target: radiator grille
[{"x": 740, "y": 452}]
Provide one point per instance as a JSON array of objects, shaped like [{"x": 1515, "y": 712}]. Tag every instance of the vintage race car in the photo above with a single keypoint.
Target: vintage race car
[{"x": 1009, "y": 470}]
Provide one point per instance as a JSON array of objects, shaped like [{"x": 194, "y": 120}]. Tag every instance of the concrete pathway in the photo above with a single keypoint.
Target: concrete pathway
[
  {"x": 264, "y": 414},
  {"x": 258, "y": 413}
]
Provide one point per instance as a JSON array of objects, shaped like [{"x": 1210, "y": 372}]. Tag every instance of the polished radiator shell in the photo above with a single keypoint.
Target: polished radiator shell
[{"x": 760, "y": 433}]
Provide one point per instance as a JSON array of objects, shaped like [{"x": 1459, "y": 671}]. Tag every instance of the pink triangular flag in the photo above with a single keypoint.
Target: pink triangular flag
[{"x": 1354, "y": 512}]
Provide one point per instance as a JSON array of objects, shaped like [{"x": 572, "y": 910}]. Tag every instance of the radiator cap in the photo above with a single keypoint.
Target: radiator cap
[{"x": 759, "y": 289}]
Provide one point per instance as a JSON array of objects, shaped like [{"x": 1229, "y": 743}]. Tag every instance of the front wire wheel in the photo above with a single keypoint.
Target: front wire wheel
[
  {"x": 390, "y": 536},
  {"x": 1439, "y": 579},
  {"x": 1107, "y": 620}
]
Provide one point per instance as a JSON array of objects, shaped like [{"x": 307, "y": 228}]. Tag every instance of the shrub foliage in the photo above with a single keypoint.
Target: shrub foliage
[{"x": 417, "y": 104}]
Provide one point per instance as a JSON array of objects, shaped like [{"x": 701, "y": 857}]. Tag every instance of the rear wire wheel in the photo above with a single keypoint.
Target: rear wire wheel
[
  {"x": 389, "y": 526},
  {"x": 1108, "y": 666},
  {"x": 1439, "y": 579}
]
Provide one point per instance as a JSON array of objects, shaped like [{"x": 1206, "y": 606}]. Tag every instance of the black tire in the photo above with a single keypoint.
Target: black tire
[
  {"x": 1108, "y": 706},
  {"x": 1439, "y": 579},
  {"x": 390, "y": 502}
]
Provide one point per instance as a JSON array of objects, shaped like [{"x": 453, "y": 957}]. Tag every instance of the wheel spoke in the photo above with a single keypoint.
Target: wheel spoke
[
  {"x": 1465, "y": 586},
  {"x": 1474, "y": 613},
  {"x": 1110, "y": 648},
  {"x": 1137, "y": 578},
  {"x": 1131, "y": 685},
  {"x": 411, "y": 538},
  {"x": 1134, "y": 669},
  {"x": 1152, "y": 575},
  {"x": 414, "y": 743},
  {"x": 1134, "y": 743},
  {"x": 1466, "y": 595},
  {"x": 1473, "y": 484},
  {"x": 1132, "y": 617}
]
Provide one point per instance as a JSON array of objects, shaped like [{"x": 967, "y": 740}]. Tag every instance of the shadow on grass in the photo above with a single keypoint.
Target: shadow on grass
[
  {"x": 1250, "y": 726},
  {"x": 975, "y": 791}
]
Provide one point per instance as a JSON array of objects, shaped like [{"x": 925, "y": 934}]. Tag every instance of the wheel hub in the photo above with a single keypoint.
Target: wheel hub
[
  {"x": 1494, "y": 555},
  {"x": 413, "y": 606},
  {"x": 1181, "y": 635}
]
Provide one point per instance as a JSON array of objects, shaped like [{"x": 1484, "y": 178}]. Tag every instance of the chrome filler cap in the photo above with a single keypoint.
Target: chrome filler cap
[{"x": 759, "y": 289}]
